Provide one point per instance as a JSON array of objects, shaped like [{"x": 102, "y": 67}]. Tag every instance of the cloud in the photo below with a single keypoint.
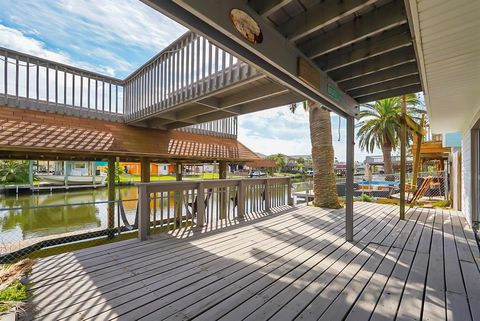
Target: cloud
[
  {"x": 16, "y": 40},
  {"x": 119, "y": 35},
  {"x": 279, "y": 131}
]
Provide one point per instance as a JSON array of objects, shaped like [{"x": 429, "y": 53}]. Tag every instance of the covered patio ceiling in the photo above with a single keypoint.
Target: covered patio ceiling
[{"x": 362, "y": 49}]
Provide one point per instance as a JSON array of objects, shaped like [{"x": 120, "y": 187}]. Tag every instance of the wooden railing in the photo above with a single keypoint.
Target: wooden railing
[
  {"x": 41, "y": 84},
  {"x": 187, "y": 70},
  {"x": 227, "y": 127},
  {"x": 209, "y": 203}
]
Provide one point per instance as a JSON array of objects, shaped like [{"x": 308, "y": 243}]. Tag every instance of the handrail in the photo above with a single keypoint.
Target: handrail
[
  {"x": 32, "y": 82},
  {"x": 13, "y": 53},
  {"x": 241, "y": 195}
]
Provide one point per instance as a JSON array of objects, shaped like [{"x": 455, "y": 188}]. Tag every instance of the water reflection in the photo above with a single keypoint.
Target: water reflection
[{"x": 16, "y": 225}]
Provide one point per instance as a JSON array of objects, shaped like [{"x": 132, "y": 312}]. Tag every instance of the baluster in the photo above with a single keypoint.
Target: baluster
[
  {"x": 103, "y": 96},
  {"x": 224, "y": 68},
  {"x": 5, "y": 84},
  {"x": 96, "y": 94},
  {"x": 28, "y": 78},
  {"x": 73, "y": 89},
  {"x": 162, "y": 83},
  {"x": 56, "y": 86},
  {"x": 176, "y": 74},
  {"x": 88, "y": 90},
  {"x": 109, "y": 96},
  {"x": 187, "y": 68},
  {"x": 215, "y": 73},
  {"x": 65, "y": 87},
  {"x": 230, "y": 69},
  {"x": 204, "y": 64},
  {"x": 182, "y": 67},
  {"x": 16, "y": 79},
  {"x": 210, "y": 66},
  {"x": 47, "y": 87},
  {"x": 81, "y": 90},
  {"x": 197, "y": 89}
]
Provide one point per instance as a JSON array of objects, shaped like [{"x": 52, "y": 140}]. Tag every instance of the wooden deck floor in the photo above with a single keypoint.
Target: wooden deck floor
[{"x": 291, "y": 265}]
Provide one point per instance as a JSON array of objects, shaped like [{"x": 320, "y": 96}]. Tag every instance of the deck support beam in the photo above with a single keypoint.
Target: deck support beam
[
  {"x": 222, "y": 174},
  {"x": 111, "y": 192},
  {"x": 349, "y": 179},
  {"x": 403, "y": 158},
  {"x": 145, "y": 170},
  {"x": 211, "y": 19}
]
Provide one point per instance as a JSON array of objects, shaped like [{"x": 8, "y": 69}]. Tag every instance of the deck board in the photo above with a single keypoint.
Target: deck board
[{"x": 294, "y": 264}]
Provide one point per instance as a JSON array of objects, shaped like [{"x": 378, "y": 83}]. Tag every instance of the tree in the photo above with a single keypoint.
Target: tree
[
  {"x": 380, "y": 124},
  {"x": 324, "y": 180},
  {"x": 14, "y": 172},
  {"x": 279, "y": 162}
]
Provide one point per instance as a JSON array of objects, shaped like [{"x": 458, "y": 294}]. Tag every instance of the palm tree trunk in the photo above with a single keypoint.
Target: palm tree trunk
[
  {"x": 387, "y": 159},
  {"x": 324, "y": 181}
]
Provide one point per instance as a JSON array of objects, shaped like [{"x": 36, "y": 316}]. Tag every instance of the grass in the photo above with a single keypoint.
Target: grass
[
  {"x": 4, "y": 308},
  {"x": 17, "y": 291}
]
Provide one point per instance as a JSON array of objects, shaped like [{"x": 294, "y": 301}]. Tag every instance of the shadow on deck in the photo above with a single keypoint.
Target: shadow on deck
[{"x": 294, "y": 264}]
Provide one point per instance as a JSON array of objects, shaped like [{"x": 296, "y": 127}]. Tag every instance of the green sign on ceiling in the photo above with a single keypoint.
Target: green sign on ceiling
[{"x": 333, "y": 92}]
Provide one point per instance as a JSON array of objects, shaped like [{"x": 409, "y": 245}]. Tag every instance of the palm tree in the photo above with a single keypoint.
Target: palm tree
[
  {"x": 380, "y": 125},
  {"x": 324, "y": 182}
]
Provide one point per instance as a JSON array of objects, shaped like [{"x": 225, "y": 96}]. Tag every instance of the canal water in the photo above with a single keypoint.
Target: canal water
[{"x": 28, "y": 223}]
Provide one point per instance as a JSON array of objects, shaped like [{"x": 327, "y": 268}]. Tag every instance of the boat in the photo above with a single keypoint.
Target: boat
[{"x": 72, "y": 179}]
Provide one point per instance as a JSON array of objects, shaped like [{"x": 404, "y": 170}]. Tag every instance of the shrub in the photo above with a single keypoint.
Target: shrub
[
  {"x": 366, "y": 198},
  {"x": 17, "y": 291}
]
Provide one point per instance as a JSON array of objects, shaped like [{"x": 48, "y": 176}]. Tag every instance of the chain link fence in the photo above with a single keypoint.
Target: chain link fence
[{"x": 432, "y": 186}]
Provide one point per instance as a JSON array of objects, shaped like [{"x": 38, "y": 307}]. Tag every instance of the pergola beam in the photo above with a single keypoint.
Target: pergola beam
[
  {"x": 387, "y": 85},
  {"x": 371, "y": 47},
  {"x": 394, "y": 58},
  {"x": 410, "y": 89},
  {"x": 319, "y": 16},
  {"x": 395, "y": 72},
  {"x": 275, "y": 56},
  {"x": 272, "y": 102},
  {"x": 253, "y": 94},
  {"x": 371, "y": 23}
]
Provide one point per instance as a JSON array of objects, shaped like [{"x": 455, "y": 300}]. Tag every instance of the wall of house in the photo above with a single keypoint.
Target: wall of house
[{"x": 466, "y": 175}]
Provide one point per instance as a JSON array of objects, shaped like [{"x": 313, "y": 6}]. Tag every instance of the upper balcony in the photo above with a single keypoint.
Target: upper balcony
[{"x": 192, "y": 84}]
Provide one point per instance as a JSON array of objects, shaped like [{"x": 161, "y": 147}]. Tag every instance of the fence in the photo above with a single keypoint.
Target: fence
[
  {"x": 430, "y": 187},
  {"x": 207, "y": 203},
  {"x": 29, "y": 225}
]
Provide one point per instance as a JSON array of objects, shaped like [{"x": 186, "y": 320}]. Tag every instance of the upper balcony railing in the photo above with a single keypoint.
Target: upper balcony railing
[
  {"x": 189, "y": 68},
  {"x": 36, "y": 83}
]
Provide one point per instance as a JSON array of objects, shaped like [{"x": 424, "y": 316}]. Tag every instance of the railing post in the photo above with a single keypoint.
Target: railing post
[
  {"x": 241, "y": 199},
  {"x": 289, "y": 192},
  {"x": 349, "y": 179},
  {"x": 267, "y": 195},
  {"x": 143, "y": 213},
  {"x": 200, "y": 205}
]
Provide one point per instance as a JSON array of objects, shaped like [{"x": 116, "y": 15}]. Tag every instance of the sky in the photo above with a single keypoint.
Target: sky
[{"x": 114, "y": 37}]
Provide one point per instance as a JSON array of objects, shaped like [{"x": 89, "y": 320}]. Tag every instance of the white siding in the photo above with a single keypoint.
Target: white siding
[{"x": 467, "y": 176}]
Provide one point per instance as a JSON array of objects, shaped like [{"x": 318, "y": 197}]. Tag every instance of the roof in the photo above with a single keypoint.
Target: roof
[
  {"x": 261, "y": 163},
  {"x": 448, "y": 47},
  {"x": 364, "y": 46},
  {"x": 27, "y": 133}
]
